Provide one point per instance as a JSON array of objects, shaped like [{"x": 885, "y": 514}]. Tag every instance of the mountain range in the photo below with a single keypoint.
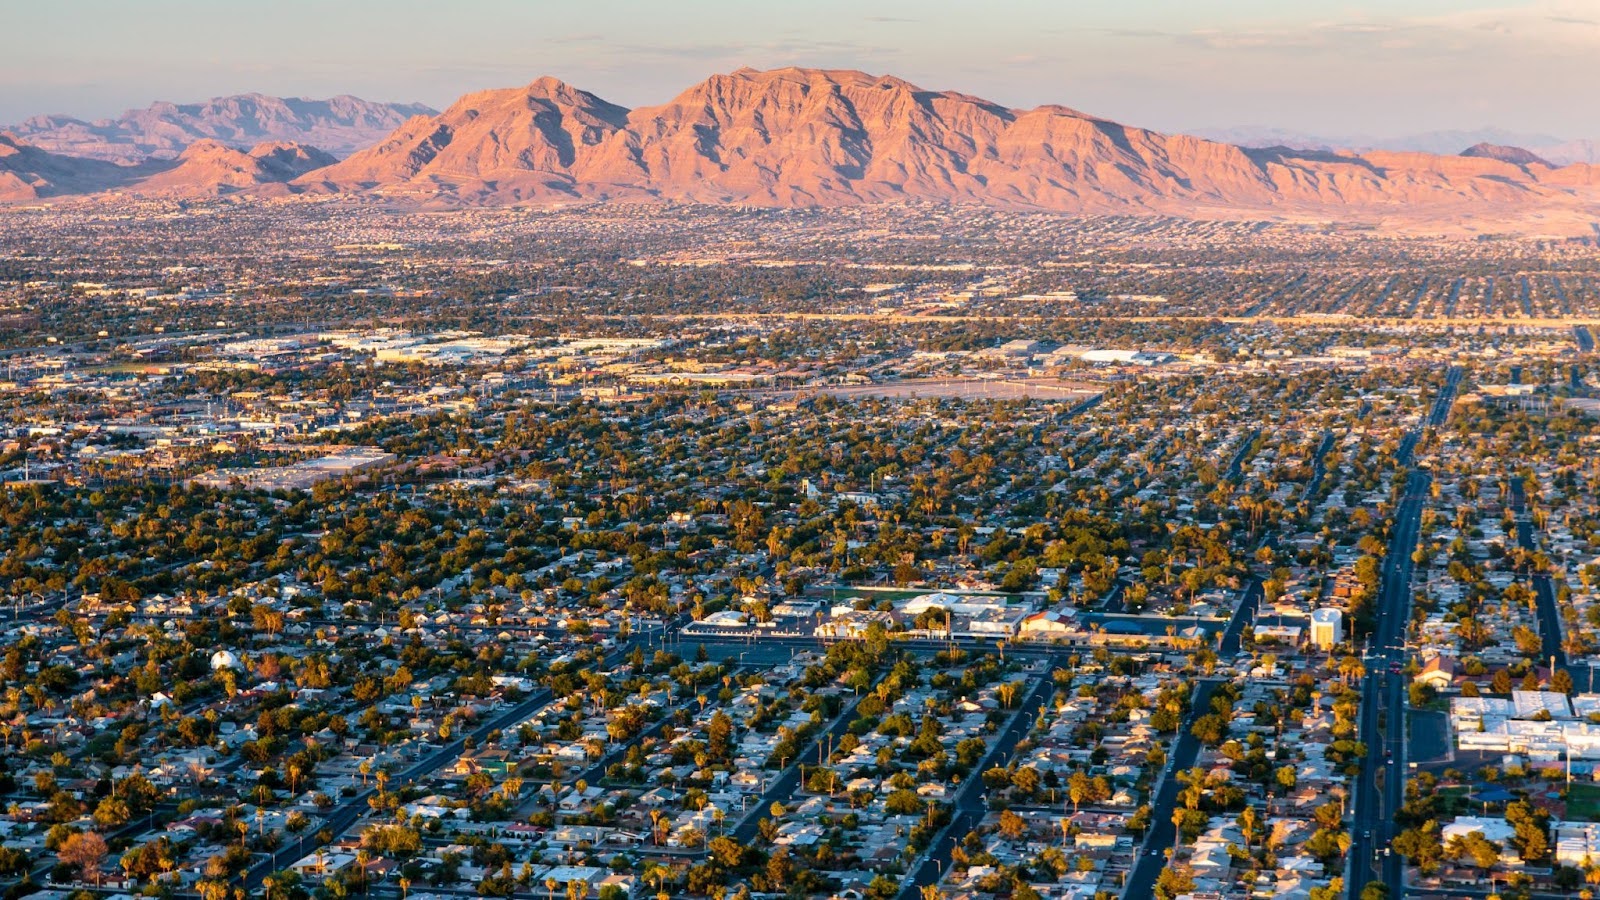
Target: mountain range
[
  {"x": 205, "y": 168},
  {"x": 809, "y": 137},
  {"x": 1559, "y": 151},
  {"x": 340, "y": 126}
]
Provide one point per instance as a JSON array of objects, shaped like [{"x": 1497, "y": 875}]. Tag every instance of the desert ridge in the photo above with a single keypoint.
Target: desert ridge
[{"x": 825, "y": 138}]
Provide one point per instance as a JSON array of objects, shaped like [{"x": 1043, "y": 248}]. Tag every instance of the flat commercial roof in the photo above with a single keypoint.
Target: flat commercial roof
[{"x": 1530, "y": 703}]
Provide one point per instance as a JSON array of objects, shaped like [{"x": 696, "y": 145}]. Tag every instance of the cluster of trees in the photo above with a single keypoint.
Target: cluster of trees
[{"x": 1421, "y": 841}]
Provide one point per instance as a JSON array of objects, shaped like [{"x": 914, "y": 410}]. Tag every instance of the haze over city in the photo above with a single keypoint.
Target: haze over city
[{"x": 1346, "y": 68}]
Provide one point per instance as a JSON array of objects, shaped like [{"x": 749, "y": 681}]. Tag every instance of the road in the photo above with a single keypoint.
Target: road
[
  {"x": 1585, "y": 340},
  {"x": 1543, "y": 589},
  {"x": 646, "y": 632},
  {"x": 1235, "y": 471},
  {"x": 1084, "y": 396},
  {"x": 732, "y": 644},
  {"x": 969, "y": 806},
  {"x": 1380, "y": 787},
  {"x": 616, "y": 751},
  {"x": 345, "y": 814},
  {"x": 1113, "y": 604},
  {"x": 1474, "y": 892},
  {"x": 1244, "y": 613},
  {"x": 786, "y": 782},
  {"x": 1467, "y": 893},
  {"x": 1318, "y": 320},
  {"x": 1319, "y": 466},
  {"x": 40, "y": 610},
  {"x": 1163, "y": 835}
]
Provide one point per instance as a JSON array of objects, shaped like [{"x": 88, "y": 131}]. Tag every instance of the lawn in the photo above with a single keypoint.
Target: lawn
[
  {"x": 1583, "y": 801},
  {"x": 1453, "y": 800}
]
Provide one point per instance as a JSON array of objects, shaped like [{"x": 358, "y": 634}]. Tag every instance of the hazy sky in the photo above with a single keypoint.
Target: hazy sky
[{"x": 1359, "y": 67}]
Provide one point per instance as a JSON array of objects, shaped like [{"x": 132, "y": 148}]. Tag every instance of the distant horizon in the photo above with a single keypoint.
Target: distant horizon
[
  {"x": 1322, "y": 68},
  {"x": 1255, "y": 128}
]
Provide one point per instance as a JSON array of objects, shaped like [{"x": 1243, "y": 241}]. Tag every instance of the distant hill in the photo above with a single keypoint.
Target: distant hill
[
  {"x": 210, "y": 168},
  {"x": 808, "y": 137},
  {"x": 206, "y": 168},
  {"x": 1558, "y": 151},
  {"x": 340, "y": 126},
  {"x": 1514, "y": 155},
  {"x": 815, "y": 138},
  {"x": 29, "y": 173}
]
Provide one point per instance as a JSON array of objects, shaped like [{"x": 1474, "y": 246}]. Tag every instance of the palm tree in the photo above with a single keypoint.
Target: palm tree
[
  {"x": 655, "y": 871},
  {"x": 1341, "y": 794},
  {"x": 1351, "y": 667},
  {"x": 1194, "y": 781},
  {"x": 1249, "y": 824}
]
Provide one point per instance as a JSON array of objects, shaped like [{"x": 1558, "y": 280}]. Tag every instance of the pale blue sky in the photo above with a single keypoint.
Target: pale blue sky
[{"x": 1327, "y": 66}]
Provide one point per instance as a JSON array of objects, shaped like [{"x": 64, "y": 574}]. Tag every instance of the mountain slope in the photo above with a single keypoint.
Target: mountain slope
[
  {"x": 807, "y": 137},
  {"x": 208, "y": 168},
  {"x": 29, "y": 173},
  {"x": 1517, "y": 156},
  {"x": 516, "y": 144},
  {"x": 341, "y": 125},
  {"x": 205, "y": 169},
  {"x": 816, "y": 137}
]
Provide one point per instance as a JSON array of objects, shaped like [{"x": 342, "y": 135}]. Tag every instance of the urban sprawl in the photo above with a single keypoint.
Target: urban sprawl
[{"x": 917, "y": 553}]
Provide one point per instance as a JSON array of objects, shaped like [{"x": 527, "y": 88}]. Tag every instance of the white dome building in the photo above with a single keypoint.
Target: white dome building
[
  {"x": 223, "y": 659},
  {"x": 1327, "y": 627}
]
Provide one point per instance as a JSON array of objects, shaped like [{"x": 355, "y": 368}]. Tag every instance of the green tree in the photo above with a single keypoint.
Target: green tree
[{"x": 1421, "y": 845}]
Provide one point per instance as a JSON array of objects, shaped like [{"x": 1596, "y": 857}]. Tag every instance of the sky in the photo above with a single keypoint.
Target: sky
[{"x": 1312, "y": 66}]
